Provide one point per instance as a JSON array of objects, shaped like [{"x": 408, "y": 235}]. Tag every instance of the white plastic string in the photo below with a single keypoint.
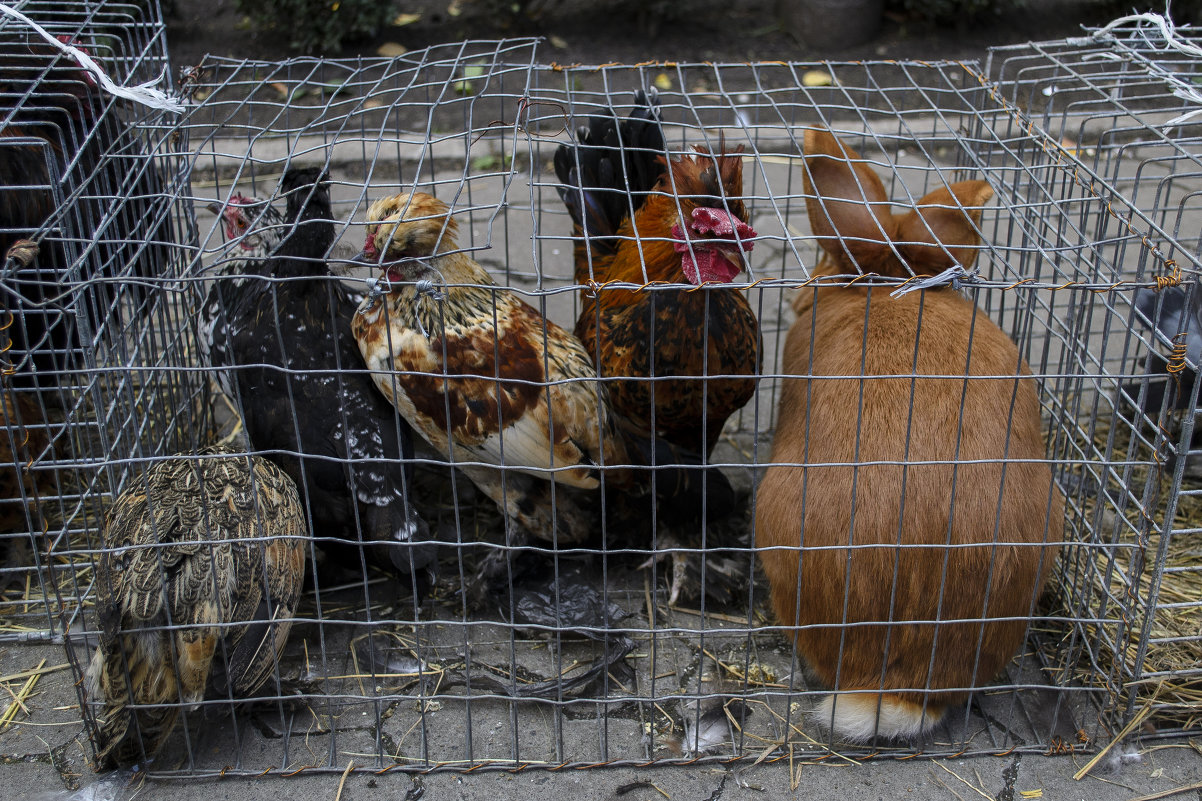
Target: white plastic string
[
  {"x": 1168, "y": 31},
  {"x": 952, "y": 275},
  {"x": 145, "y": 93}
]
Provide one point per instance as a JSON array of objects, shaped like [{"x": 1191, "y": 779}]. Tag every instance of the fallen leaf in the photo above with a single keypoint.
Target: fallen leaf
[
  {"x": 403, "y": 19},
  {"x": 464, "y": 87},
  {"x": 814, "y": 78},
  {"x": 454, "y": 9},
  {"x": 279, "y": 87},
  {"x": 371, "y": 102},
  {"x": 558, "y": 41},
  {"x": 1156, "y": 774},
  {"x": 486, "y": 162},
  {"x": 663, "y": 82},
  {"x": 333, "y": 87},
  {"x": 391, "y": 50},
  {"x": 1031, "y": 793}
]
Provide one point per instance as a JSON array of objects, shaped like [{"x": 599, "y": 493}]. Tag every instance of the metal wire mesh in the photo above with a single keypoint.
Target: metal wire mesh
[
  {"x": 1120, "y": 106},
  {"x": 78, "y": 178},
  {"x": 578, "y": 658}
]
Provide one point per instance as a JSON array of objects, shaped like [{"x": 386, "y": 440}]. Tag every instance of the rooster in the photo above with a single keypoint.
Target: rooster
[
  {"x": 639, "y": 217},
  {"x": 57, "y": 129},
  {"x": 202, "y": 567},
  {"x": 481, "y": 375},
  {"x": 287, "y": 347}
]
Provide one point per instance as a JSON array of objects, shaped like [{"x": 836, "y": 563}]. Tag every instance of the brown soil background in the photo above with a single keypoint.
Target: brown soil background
[{"x": 601, "y": 32}]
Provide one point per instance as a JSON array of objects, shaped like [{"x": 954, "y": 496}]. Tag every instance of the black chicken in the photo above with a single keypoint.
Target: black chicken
[
  {"x": 60, "y": 138},
  {"x": 1176, "y": 313},
  {"x": 255, "y": 228},
  {"x": 296, "y": 373}
]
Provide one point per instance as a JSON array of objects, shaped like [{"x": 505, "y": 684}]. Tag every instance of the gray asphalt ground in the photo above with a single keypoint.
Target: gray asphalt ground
[{"x": 44, "y": 759}]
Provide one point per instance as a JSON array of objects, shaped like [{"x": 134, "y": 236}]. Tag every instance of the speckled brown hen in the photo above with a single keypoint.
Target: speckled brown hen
[
  {"x": 203, "y": 563},
  {"x": 480, "y": 373}
]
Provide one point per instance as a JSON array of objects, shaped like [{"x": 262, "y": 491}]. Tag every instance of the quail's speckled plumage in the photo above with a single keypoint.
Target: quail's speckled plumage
[{"x": 202, "y": 566}]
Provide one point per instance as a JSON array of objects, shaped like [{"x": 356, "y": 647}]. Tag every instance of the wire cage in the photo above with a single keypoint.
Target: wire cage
[
  {"x": 1121, "y": 107},
  {"x": 575, "y": 655},
  {"x": 78, "y": 179}
]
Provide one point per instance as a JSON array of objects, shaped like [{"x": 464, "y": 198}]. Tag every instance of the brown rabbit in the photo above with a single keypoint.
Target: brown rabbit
[{"x": 925, "y": 469}]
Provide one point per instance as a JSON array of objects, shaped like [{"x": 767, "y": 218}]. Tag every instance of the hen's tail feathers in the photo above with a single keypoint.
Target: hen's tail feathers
[
  {"x": 124, "y": 736},
  {"x": 410, "y": 548},
  {"x": 687, "y": 491},
  {"x": 305, "y": 190},
  {"x": 310, "y": 219},
  {"x": 610, "y": 170},
  {"x": 860, "y": 717},
  {"x": 247, "y": 665}
]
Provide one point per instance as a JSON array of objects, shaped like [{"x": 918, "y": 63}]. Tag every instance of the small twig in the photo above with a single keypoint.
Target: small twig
[
  {"x": 969, "y": 784},
  {"x": 27, "y": 673},
  {"x": 944, "y": 784},
  {"x": 1122, "y": 735},
  {"x": 794, "y": 774},
  {"x": 1166, "y": 793},
  {"x": 714, "y": 615},
  {"x": 18, "y": 699},
  {"x": 342, "y": 781}
]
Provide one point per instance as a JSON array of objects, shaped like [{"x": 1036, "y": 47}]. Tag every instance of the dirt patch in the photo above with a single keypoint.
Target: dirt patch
[{"x": 597, "y": 33}]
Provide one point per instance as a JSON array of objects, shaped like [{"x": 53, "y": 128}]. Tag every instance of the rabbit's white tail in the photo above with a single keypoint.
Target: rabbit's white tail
[{"x": 861, "y": 716}]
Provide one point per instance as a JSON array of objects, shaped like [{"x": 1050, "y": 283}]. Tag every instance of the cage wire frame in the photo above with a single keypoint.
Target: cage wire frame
[
  {"x": 1122, "y": 104},
  {"x": 98, "y": 177},
  {"x": 438, "y": 687}
]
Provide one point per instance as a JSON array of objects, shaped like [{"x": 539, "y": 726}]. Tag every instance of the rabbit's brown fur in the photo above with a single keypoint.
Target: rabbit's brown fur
[{"x": 827, "y": 424}]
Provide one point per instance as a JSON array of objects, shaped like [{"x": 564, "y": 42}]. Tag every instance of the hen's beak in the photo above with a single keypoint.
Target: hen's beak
[
  {"x": 365, "y": 258},
  {"x": 215, "y": 207}
]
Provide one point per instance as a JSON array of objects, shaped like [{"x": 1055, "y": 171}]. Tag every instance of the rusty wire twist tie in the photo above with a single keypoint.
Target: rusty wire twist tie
[
  {"x": 1172, "y": 279},
  {"x": 524, "y": 106}
]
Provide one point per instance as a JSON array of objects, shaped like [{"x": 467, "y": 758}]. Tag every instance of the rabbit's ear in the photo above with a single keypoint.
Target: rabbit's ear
[
  {"x": 943, "y": 229},
  {"x": 848, "y": 207}
]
